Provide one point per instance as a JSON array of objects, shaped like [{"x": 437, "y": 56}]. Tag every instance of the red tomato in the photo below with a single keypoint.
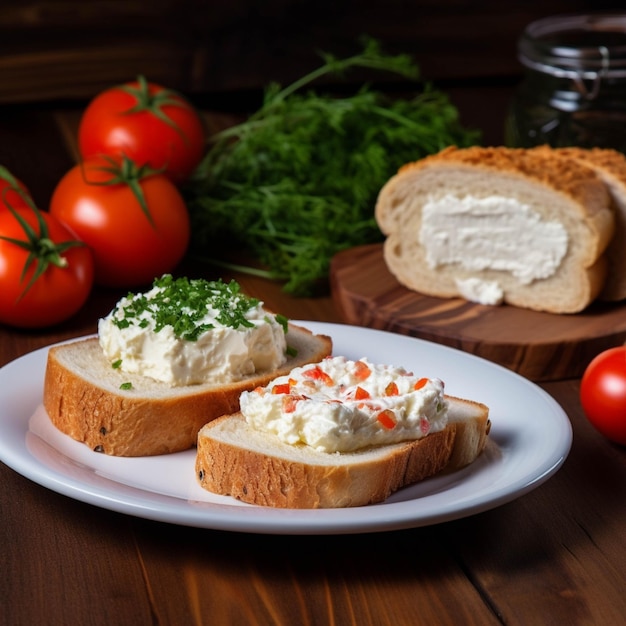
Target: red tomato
[
  {"x": 13, "y": 193},
  {"x": 603, "y": 393},
  {"x": 30, "y": 301},
  {"x": 132, "y": 244},
  {"x": 146, "y": 122}
]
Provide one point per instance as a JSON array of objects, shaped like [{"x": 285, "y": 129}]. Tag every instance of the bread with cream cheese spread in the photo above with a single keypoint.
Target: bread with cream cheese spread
[
  {"x": 124, "y": 414},
  {"x": 235, "y": 459},
  {"x": 551, "y": 259}
]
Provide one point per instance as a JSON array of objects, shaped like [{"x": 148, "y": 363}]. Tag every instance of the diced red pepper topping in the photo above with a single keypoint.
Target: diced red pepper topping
[
  {"x": 387, "y": 419},
  {"x": 361, "y": 394},
  {"x": 420, "y": 383},
  {"x": 424, "y": 426},
  {"x": 282, "y": 388},
  {"x": 289, "y": 403},
  {"x": 361, "y": 370},
  {"x": 391, "y": 389},
  {"x": 317, "y": 373}
]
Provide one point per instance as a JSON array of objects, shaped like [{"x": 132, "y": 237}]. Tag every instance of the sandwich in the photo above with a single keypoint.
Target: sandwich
[
  {"x": 166, "y": 362},
  {"x": 338, "y": 433}
]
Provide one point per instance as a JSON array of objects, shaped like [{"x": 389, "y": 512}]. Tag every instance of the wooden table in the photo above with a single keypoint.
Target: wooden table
[{"x": 554, "y": 556}]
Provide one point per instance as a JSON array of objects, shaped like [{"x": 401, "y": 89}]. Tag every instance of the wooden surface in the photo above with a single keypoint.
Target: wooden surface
[
  {"x": 554, "y": 556},
  {"x": 537, "y": 345}
]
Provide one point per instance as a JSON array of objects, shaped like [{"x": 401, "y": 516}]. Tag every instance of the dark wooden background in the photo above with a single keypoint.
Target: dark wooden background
[
  {"x": 57, "y": 54},
  {"x": 223, "y": 52}
]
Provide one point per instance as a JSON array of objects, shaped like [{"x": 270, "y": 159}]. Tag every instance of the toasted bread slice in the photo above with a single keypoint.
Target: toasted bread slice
[
  {"x": 83, "y": 398},
  {"x": 236, "y": 460}
]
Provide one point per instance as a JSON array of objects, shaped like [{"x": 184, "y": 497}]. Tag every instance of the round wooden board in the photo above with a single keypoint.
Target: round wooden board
[{"x": 539, "y": 346}]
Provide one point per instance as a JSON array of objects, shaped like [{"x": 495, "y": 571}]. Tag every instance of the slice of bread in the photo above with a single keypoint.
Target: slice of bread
[
  {"x": 237, "y": 460},
  {"x": 83, "y": 398},
  {"x": 557, "y": 190}
]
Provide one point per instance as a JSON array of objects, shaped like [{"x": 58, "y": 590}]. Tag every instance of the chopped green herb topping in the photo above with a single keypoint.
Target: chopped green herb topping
[
  {"x": 183, "y": 303},
  {"x": 283, "y": 321},
  {"x": 116, "y": 364},
  {"x": 126, "y": 386}
]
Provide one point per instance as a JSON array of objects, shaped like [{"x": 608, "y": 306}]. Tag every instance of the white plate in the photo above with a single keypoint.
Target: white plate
[{"x": 530, "y": 439}]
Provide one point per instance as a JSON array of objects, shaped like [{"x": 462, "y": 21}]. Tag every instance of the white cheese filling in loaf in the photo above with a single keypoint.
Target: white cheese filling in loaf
[
  {"x": 135, "y": 337},
  {"x": 493, "y": 232},
  {"x": 339, "y": 405}
]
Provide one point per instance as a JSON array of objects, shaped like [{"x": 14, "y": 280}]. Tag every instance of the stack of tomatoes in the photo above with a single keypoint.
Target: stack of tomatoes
[{"x": 116, "y": 219}]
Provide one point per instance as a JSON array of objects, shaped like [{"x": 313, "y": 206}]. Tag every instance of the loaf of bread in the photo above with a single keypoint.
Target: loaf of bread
[
  {"x": 256, "y": 467},
  {"x": 86, "y": 398},
  {"x": 498, "y": 225}
]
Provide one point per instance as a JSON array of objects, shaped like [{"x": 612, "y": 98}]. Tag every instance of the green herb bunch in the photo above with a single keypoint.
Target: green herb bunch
[{"x": 297, "y": 181}]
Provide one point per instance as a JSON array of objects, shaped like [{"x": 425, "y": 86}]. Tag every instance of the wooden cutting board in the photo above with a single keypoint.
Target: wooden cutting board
[{"x": 539, "y": 346}]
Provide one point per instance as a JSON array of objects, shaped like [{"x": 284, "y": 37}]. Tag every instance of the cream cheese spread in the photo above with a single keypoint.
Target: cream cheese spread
[
  {"x": 488, "y": 292},
  {"x": 185, "y": 332},
  {"x": 494, "y": 232},
  {"x": 339, "y": 405}
]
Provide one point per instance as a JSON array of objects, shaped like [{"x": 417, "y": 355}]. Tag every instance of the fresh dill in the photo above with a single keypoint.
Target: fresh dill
[{"x": 297, "y": 181}]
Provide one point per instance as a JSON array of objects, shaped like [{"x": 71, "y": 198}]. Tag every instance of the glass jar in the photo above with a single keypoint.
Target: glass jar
[{"x": 574, "y": 90}]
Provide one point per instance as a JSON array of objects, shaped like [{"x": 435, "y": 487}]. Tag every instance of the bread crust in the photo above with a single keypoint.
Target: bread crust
[
  {"x": 574, "y": 179},
  {"x": 83, "y": 399},
  {"x": 545, "y": 177},
  {"x": 473, "y": 425},
  {"x": 268, "y": 478}
]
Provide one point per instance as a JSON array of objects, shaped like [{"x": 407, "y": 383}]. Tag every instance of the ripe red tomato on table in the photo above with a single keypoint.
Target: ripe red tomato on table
[
  {"x": 135, "y": 222},
  {"x": 45, "y": 274},
  {"x": 603, "y": 393},
  {"x": 148, "y": 123}
]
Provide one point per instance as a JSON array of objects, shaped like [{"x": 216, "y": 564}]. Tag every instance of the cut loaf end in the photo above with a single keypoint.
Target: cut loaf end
[{"x": 610, "y": 166}]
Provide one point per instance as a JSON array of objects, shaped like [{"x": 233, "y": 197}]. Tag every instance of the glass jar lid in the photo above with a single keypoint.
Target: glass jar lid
[{"x": 577, "y": 47}]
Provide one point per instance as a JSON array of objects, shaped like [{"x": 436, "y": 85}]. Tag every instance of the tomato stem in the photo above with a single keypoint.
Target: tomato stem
[
  {"x": 127, "y": 172},
  {"x": 153, "y": 103},
  {"x": 15, "y": 187},
  {"x": 41, "y": 249}
]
